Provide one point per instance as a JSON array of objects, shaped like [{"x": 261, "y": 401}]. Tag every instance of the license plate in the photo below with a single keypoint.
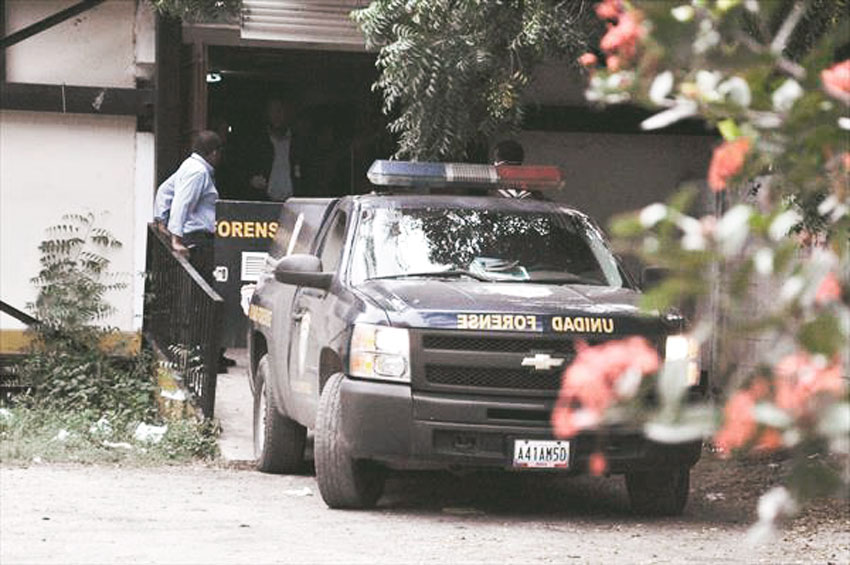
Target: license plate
[{"x": 539, "y": 454}]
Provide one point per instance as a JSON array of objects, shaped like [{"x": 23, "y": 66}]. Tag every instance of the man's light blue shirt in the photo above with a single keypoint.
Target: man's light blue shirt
[
  {"x": 193, "y": 204},
  {"x": 164, "y": 197}
]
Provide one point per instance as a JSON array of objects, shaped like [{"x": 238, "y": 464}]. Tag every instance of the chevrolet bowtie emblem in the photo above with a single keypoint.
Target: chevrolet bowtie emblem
[{"x": 542, "y": 362}]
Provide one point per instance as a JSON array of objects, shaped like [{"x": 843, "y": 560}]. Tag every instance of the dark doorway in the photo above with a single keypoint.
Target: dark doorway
[{"x": 337, "y": 121}]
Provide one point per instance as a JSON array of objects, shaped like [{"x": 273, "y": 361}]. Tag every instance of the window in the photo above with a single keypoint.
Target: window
[
  {"x": 547, "y": 247},
  {"x": 331, "y": 252}
]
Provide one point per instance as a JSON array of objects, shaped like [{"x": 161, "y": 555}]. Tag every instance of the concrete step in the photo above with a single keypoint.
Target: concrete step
[{"x": 234, "y": 410}]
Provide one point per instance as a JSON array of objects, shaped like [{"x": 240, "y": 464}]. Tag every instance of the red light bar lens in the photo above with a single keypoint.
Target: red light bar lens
[{"x": 529, "y": 178}]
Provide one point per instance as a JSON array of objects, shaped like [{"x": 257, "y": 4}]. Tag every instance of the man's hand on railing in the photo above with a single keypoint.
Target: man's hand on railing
[{"x": 178, "y": 247}]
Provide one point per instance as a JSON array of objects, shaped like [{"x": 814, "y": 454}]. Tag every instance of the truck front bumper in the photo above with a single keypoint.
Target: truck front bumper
[{"x": 405, "y": 429}]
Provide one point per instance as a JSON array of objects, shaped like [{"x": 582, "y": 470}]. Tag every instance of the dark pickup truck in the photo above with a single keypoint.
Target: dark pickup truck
[{"x": 430, "y": 331}]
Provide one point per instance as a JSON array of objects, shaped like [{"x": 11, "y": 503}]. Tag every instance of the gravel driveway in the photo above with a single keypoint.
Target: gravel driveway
[{"x": 198, "y": 514}]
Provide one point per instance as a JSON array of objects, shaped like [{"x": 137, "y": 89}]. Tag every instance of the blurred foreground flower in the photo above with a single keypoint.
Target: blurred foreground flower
[
  {"x": 792, "y": 403},
  {"x": 599, "y": 376},
  {"x": 726, "y": 162},
  {"x": 836, "y": 81},
  {"x": 598, "y": 465}
]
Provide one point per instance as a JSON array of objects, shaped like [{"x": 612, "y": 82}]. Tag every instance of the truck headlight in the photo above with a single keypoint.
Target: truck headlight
[
  {"x": 379, "y": 352},
  {"x": 684, "y": 348}
]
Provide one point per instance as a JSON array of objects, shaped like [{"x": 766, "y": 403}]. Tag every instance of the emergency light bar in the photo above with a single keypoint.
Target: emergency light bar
[{"x": 440, "y": 175}]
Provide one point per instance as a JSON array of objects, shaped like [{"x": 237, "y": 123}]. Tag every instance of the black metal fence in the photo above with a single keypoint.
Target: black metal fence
[
  {"x": 11, "y": 382},
  {"x": 182, "y": 318}
]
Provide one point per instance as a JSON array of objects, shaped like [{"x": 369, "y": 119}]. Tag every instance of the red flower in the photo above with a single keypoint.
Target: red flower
[
  {"x": 739, "y": 425},
  {"x": 836, "y": 81},
  {"x": 621, "y": 39},
  {"x": 613, "y": 63},
  {"x": 609, "y": 9},
  {"x": 597, "y": 464},
  {"x": 770, "y": 440},
  {"x": 829, "y": 290},
  {"x": 587, "y": 60},
  {"x": 726, "y": 162},
  {"x": 799, "y": 378},
  {"x": 590, "y": 383}
]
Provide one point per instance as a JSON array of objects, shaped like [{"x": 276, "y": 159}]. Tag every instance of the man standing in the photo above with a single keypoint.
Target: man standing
[
  {"x": 191, "y": 220},
  {"x": 273, "y": 161}
]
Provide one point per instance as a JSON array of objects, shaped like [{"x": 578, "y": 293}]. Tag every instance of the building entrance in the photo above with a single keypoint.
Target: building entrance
[{"x": 309, "y": 115}]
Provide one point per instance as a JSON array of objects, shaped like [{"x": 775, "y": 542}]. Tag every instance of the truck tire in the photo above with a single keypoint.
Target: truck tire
[
  {"x": 344, "y": 482},
  {"x": 278, "y": 441},
  {"x": 659, "y": 492}
]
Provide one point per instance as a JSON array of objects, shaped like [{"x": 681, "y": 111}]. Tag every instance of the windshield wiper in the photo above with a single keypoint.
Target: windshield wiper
[
  {"x": 436, "y": 274},
  {"x": 566, "y": 278}
]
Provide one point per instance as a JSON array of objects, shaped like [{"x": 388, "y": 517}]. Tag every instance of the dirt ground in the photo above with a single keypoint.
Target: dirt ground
[{"x": 209, "y": 514}]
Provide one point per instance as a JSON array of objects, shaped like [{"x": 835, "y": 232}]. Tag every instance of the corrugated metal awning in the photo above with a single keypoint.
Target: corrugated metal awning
[{"x": 323, "y": 22}]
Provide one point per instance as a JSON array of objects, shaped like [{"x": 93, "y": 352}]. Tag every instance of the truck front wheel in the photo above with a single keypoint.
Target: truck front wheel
[
  {"x": 278, "y": 441},
  {"x": 344, "y": 482},
  {"x": 659, "y": 492}
]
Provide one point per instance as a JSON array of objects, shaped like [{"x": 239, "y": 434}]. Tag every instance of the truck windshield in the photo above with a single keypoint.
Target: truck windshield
[{"x": 481, "y": 244}]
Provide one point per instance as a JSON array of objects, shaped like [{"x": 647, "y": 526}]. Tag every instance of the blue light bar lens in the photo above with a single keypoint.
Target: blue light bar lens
[
  {"x": 439, "y": 175},
  {"x": 406, "y": 173}
]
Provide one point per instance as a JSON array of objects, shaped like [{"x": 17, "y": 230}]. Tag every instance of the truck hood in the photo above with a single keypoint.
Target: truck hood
[{"x": 456, "y": 304}]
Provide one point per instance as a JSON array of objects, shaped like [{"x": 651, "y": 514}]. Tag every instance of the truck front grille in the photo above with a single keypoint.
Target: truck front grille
[
  {"x": 498, "y": 344},
  {"x": 504, "y": 378}
]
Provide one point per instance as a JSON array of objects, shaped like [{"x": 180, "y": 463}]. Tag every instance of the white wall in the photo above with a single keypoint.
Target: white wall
[
  {"x": 95, "y": 48},
  {"x": 53, "y": 164}
]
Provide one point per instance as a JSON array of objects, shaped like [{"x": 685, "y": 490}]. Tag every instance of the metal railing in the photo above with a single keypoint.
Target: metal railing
[
  {"x": 182, "y": 318},
  {"x": 11, "y": 382}
]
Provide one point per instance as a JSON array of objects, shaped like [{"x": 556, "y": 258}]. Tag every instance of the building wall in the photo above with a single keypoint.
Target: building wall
[
  {"x": 612, "y": 173},
  {"x": 53, "y": 164},
  {"x": 95, "y": 48}
]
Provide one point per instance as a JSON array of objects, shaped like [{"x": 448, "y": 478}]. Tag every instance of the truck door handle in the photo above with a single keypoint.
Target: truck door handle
[{"x": 313, "y": 292}]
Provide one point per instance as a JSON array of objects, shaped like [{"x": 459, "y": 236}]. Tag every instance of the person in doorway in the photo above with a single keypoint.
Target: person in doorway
[
  {"x": 191, "y": 218},
  {"x": 509, "y": 153},
  {"x": 274, "y": 166}
]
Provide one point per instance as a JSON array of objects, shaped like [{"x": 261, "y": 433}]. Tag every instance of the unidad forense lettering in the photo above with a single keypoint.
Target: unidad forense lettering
[{"x": 530, "y": 322}]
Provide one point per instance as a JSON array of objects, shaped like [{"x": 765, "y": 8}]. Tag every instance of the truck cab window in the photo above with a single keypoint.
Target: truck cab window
[{"x": 331, "y": 251}]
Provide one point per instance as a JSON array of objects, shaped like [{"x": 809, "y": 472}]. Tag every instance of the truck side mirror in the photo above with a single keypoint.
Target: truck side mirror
[
  {"x": 653, "y": 276},
  {"x": 302, "y": 270}
]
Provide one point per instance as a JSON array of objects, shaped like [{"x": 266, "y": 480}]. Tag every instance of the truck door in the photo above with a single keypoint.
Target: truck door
[
  {"x": 297, "y": 229},
  {"x": 312, "y": 324}
]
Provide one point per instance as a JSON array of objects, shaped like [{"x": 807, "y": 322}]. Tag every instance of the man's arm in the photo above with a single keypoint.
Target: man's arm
[
  {"x": 187, "y": 190},
  {"x": 162, "y": 202}
]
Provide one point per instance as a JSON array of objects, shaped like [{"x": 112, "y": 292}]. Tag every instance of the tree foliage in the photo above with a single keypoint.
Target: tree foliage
[
  {"x": 453, "y": 71},
  {"x": 199, "y": 10},
  {"x": 770, "y": 269}
]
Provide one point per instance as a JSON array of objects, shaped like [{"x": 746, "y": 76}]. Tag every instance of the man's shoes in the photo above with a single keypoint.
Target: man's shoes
[{"x": 226, "y": 361}]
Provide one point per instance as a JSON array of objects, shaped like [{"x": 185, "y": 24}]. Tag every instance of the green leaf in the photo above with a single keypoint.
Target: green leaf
[
  {"x": 823, "y": 335},
  {"x": 729, "y": 130}
]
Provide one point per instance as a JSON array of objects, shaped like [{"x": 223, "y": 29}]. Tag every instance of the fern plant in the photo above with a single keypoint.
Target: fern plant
[
  {"x": 75, "y": 362},
  {"x": 74, "y": 277}
]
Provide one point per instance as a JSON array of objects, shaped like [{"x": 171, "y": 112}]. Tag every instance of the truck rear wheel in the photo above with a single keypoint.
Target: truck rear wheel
[
  {"x": 278, "y": 441},
  {"x": 659, "y": 492},
  {"x": 344, "y": 482}
]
